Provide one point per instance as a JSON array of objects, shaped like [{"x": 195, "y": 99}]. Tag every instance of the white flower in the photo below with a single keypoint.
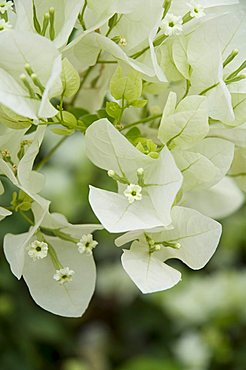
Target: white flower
[
  {"x": 64, "y": 275},
  {"x": 86, "y": 244},
  {"x": 196, "y": 9},
  {"x": 122, "y": 42},
  {"x": 172, "y": 25},
  {"x": 193, "y": 240},
  {"x": 5, "y": 6},
  {"x": 160, "y": 179},
  {"x": 4, "y": 25},
  {"x": 28, "y": 79},
  {"x": 133, "y": 192},
  {"x": 37, "y": 250}
]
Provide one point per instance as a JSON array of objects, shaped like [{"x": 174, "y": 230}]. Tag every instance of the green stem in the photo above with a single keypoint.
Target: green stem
[
  {"x": 107, "y": 62},
  {"x": 50, "y": 153},
  {"x": 209, "y": 88},
  {"x": 123, "y": 107},
  {"x": 81, "y": 16},
  {"x": 65, "y": 236},
  {"x": 53, "y": 256},
  {"x": 144, "y": 120},
  {"x": 27, "y": 218}
]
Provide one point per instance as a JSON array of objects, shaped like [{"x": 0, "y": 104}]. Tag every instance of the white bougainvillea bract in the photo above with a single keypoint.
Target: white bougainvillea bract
[{"x": 156, "y": 91}]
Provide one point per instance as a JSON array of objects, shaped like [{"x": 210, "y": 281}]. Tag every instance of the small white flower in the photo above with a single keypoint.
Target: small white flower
[
  {"x": 122, "y": 41},
  {"x": 196, "y": 9},
  {"x": 4, "y": 25},
  {"x": 86, "y": 244},
  {"x": 5, "y": 6},
  {"x": 172, "y": 25},
  {"x": 37, "y": 250},
  {"x": 133, "y": 192},
  {"x": 64, "y": 275}
]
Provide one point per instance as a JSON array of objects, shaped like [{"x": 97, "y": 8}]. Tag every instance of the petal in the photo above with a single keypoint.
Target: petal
[
  {"x": 117, "y": 215},
  {"x": 107, "y": 148},
  {"x": 4, "y": 213},
  {"x": 15, "y": 245},
  {"x": 147, "y": 272},
  {"x": 198, "y": 235},
  {"x": 70, "y": 299},
  {"x": 219, "y": 201}
]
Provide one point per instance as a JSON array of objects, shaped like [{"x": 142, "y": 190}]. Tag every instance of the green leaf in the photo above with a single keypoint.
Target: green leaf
[
  {"x": 133, "y": 134},
  {"x": 62, "y": 131},
  {"x": 113, "y": 21},
  {"x": 70, "y": 79},
  {"x": 113, "y": 109},
  {"x": 88, "y": 119},
  {"x": 128, "y": 87},
  {"x": 69, "y": 120},
  {"x": 12, "y": 119},
  {"x": 78, "y": 112},
  {"x": 139, "y": 103}
]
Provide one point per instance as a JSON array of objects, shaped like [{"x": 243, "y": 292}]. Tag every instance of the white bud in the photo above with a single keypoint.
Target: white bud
[
  {"x": 111, "y": 173},
  {"x": 140, "y": 171}
]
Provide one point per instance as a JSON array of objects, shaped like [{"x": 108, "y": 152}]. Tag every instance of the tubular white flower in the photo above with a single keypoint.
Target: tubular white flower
[
  {"x": 64, "y": 275},
  {"x": 5, "y": 6},
  {"x": 133, "y": 192},
  {"x": 86, "y": 244},
  {"x": 4, "y": 25},
  {"x": 196, "y": 9},
  {"x": 37, "y": 250},
  {"x": 172, "y": 25}
]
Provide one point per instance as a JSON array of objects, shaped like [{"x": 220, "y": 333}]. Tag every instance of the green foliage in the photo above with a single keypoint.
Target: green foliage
[
  {"x": 127, "y": 86},
  {"x": 113, "y": 110},
  {"x": 145, "y": 363},
  {"x": 70, "y": 79}
]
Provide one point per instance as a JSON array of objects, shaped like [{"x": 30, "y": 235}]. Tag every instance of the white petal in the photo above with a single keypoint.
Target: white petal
[
  {"x": 219, "y": 201},
  {"x": 148, "y": 273},
  {"x": 70, "y": 299},
  {"x": 117, "y": 215},
  {"x": 198, "y": 235},
  {"x": 30, "y": 180},
  {"x": 14, "y": 245},
  {"x": 107, "y": 148},
  {"x": 4, "y": 213}
]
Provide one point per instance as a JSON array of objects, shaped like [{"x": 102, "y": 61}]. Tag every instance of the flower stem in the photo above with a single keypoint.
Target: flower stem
[
  {"x": 147, "y": 119},
  {"x": 50, "y": 153}
]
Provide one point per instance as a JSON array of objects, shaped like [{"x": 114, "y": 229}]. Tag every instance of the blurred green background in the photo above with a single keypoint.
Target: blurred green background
[{"x": 198, "y": 325}]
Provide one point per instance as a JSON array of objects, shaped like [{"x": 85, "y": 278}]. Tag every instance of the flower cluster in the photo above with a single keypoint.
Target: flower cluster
[{"x": 158, "y": 91}]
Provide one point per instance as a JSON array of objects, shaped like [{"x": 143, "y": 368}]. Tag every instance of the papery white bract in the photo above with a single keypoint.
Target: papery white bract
[
  {"x": 193, "y": 239},
  {"x": 72, "y": 296},
  {"x": 21, "y": 59},
  {"x": 108, "y": 149}
]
